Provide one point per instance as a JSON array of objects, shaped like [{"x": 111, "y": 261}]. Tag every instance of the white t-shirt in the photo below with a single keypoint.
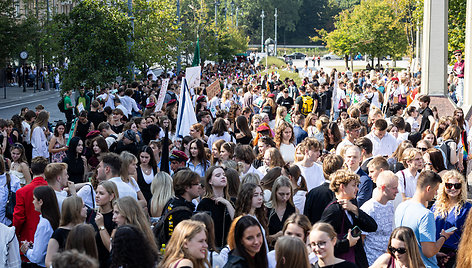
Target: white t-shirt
[
  {"x": 88, "y": 195},
  {"x": 288, "y": 152},
  {"x": 299, "y": 199},
  {"x": 340, "y": 94},
  {"x": 61, "y": 196},
  {"x": 385, "y": 146},
  {"x": 123, "y": 188},
  {"x": 343, "y": 144},
  {"x": 313, "y": 175},
  {"x": 376, "y": 243},
  {"x": 406, "y": 178}
]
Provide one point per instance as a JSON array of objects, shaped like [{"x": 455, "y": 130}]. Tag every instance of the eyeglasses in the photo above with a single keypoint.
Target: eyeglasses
[
  {"x": 449, "y": 186},
  {"x": 422, "y": 149},
  {"x": 399, "y": 250},
  {"x": 319, "y": 244}
]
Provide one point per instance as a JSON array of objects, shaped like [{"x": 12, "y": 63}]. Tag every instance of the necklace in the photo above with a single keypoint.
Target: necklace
[{"x": 146, "y": 171}]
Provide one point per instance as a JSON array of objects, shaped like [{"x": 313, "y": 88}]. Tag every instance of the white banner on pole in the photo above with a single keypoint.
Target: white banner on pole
[
  {"x": 192, "y": 75},
  {"x": 162, "y": 94}
]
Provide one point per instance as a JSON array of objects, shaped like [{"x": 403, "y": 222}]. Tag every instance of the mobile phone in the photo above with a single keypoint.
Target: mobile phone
[
  {"x": 452, "y": 229},
  {"x": 356, "y": 231}
]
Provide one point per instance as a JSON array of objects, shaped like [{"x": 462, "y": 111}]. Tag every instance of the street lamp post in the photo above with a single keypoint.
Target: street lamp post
[
  {"x": 262, "y": 35},
  {"x": 275, "y": 46},
  {"x": 237, "y": 13}
]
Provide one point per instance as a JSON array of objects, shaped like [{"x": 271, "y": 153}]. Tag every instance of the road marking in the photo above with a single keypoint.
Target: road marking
[{"x": 23, "y": 103}]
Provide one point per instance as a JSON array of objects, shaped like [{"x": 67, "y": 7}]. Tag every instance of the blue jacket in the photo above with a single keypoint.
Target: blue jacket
[
  {"x": 366, "y": 186},
  {"x": 300, "y": 134}
]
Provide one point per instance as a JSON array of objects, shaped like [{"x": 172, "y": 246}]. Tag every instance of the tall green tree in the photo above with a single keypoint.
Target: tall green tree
[
  {"x": 155, "y": 33},
  {"x": 95, "y": 37}
]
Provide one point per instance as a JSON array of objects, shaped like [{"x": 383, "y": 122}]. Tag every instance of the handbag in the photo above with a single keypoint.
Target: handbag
[
  {"x": 350, "y": 254},
  {"x": 11, "y": 202}
]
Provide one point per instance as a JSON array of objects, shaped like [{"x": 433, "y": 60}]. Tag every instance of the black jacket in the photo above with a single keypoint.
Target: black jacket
[
  {"x": 335, "y": 215},
  {"x": 316, "y": 201},
  {"x": 178, "y": 216},
  {"x": 235, "y": 261}
]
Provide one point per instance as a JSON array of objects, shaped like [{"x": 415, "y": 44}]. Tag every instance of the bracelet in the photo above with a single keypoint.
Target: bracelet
[
  {"x": 101, "y": 228},
  {"x": 443, "y": 236}
]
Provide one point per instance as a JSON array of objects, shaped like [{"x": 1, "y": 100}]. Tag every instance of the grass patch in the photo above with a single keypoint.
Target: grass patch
[
  {"x": 271, "y": 61},
  {"x": 284, "y": 74}
]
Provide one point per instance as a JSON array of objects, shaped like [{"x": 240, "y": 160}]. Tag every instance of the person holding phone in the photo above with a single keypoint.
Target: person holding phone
[
  {"x": 450, "y": 211},
  {"x": 343, "y": 214}
]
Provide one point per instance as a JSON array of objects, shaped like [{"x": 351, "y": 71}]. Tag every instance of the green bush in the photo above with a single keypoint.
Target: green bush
[{"x": 284, "y": 74}]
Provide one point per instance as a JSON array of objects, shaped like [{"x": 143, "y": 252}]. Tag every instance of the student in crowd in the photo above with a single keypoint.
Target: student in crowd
[
  {"x": 147, "y": 168},
  {"x": 284, "y": 140},
  {"x": 109, "y": 169},
  {"x": 413, "y": 213},
  {"x": 318, "y": 198},
  {"x": 247, "y": 244},
  {"x": 402, "y": 251},
  {"x": 323, "y": 239},
  {"x": 311, "y": 170},
  {"x": 244, "y": 156},
  {"x": 76, "y": 161},
  {"x": 198, "y": 160},
  {"x": 187, "y": 246},
  {"x": 25, "y": 216},
  {"x": 280, "y": 207},
  {"x": 217, "y": 202},
  {"x": 45, "y": 202},
  {"x": 162, "y": 191},
  {"x": 107, "y": 194},
  {"x": 382, "y": 211},
  {"x": 376, "y": 166},
  {"x": 450, "y": 210},
  {"x": 128, "y": 243},
  {"x": 39, "y": 133},
  {"x": 407, "y": 178},
  {"x": 187, "y": 186},
  {"x": 19, "y": 165},
  {"x": 297, "y": 226},
  {"x": 128, "y": 173},
  {"x": 214, "y": 257},
  {"x": 82, "y": 238},
  {"x": 343, "y": 214},
  {"x": 250, "y": 201},
  {"x": 384, "y": 143},
  {"x": 8, "y": 184},
  {"x": 73, "y": 213},
  {"x": 291, "y": 252},
  {"x": 352, "y": 128}
]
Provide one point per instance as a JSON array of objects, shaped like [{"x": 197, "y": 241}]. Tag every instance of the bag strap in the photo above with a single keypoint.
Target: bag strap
[
  {"x": 91, "y": 193},
  {"x": 404, "y": 180}
]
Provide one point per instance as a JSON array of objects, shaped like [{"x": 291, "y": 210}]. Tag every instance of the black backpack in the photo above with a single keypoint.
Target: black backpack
[
  {"x": 11, "y": 200},
  {"x": 160, "y": 231},
  {"x": 60, "y": 105}
]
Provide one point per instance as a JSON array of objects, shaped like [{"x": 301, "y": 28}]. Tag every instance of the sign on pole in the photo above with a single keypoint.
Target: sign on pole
[
  {"x": 192, "y": 75},
  {"x": 162, "y": 94}
]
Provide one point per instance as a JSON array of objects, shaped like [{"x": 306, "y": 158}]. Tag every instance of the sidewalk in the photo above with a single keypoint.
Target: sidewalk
[{"x": 15, "y": 94}]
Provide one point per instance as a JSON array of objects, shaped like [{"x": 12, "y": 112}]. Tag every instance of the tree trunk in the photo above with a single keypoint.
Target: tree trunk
[
  {"x": 352, "y": 63},
  {"x": 346, "y": 60}
]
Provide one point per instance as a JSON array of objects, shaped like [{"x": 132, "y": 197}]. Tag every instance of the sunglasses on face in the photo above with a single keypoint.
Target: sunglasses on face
[
  {"x": 422, "y": 149},
  {"x": 399, "y": 250},
  {"x": 449, "y": 186}
]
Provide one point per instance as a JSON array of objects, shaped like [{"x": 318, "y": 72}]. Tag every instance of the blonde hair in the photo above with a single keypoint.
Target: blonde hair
[
  {"x": 409, "y": 154},
  {"x": 162, "y": 191},
  {"x": 126, "y": 159},
  {"x": 129, "y": 208},
  {"x": 443, "y": 204},
  {"x": 183, "y": 232},
  {"x": 464, "y": 258},
  {"x": 325, "y": 228},
  {"x": 111, "y": 188}
]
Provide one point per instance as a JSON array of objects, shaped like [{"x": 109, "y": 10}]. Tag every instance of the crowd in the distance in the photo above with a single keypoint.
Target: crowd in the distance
[{"x": 342, "y": 170}]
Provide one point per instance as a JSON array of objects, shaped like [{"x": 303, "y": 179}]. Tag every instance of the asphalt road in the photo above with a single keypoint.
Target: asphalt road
[{"x": 49, "y": 100}]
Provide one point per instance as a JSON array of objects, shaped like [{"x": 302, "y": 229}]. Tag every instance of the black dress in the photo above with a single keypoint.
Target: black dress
[
  {"x": 143, "y": 185},
  {"x": 75, "y": 169},
  {"x": 60, "y": 235},
  {"x": 103, "y": 253},
  {"x": 244, "y": 140},
  {"x": 220, "y": 215},
  {"x": 275, "y": 224}
]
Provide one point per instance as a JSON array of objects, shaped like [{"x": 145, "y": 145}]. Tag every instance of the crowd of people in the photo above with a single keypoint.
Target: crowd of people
[{"x": 340, "y": 170}]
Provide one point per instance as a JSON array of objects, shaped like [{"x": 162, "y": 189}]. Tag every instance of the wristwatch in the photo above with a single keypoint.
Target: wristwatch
[{"x": 101, "y": 228}]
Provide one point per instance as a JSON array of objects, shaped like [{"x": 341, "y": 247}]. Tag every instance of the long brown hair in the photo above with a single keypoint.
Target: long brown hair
[
  {"x": 406, "y": 235},
  {"x": 279, "y": 133},
  {"x": 244, "y": 202},
  {"x": 82, "y": 238},
  {"x": 291, "y": 252}
]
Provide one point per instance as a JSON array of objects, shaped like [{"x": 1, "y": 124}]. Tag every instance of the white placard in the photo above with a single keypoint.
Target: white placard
[
  {"x": 162, "y": 94},
  {"x": 192, "y": 74}
]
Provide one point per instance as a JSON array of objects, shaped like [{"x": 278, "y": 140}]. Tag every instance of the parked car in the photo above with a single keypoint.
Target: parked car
[
  {"x": 331, "y": 56},
  {"x": 296, "y": 55}
]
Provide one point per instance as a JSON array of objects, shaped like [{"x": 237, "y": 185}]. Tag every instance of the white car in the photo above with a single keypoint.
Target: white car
[{"x": 331, "y": 56}]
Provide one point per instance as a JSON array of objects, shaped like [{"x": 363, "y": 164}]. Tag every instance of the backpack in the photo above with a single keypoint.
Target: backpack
[
  {"x": 160, "y": 231},
  {"x": 60, "y": 105},
  {"x": 307, "y": 105},
  {"x": 446, "y": 152}
]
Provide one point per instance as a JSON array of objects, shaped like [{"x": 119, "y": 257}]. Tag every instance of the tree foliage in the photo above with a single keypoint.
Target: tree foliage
[
  {"x": 456, "y": 32},
  {"x": 95, "y": 36}
]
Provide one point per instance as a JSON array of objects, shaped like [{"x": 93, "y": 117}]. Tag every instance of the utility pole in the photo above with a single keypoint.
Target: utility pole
[
  {"x": 275, "y": 47},
  {"x": 262, "y": 35},
  {"x": 179, "y": 60}
]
